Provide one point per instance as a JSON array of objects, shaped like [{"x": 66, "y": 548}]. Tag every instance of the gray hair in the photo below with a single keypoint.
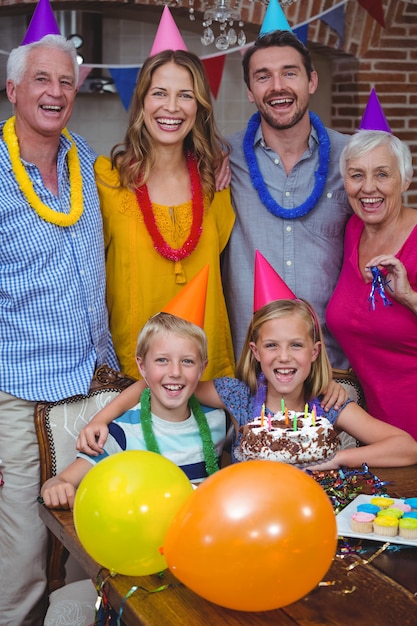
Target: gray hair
[
  {"x": 364, "y": 141},
  {"x": 18, "y": 58}
]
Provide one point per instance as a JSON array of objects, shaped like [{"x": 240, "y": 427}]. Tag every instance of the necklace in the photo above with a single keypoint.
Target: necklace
[
  {"x": 320, "y": 174},
  {"x": 145, "y": 205},
  {"x": 26, "y": 186},
  {"x": 210, "y": 457}
]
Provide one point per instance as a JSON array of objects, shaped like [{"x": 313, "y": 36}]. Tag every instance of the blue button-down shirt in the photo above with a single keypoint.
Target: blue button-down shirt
[
  {"x": 53, "y": 317},
  {"x": 306, "y": 252}
]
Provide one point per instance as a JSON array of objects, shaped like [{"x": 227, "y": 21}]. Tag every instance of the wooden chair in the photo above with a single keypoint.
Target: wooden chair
[
  {"x": 57, "y": 426},
  {"x": 348, "y": 380}
]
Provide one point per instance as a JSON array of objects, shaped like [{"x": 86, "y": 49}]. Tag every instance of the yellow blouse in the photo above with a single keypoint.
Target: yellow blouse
[{"x": 140, "y": 282}]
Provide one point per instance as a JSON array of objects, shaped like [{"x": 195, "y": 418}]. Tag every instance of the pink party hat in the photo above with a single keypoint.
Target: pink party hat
[
  {"x": 167, "y": 37},
  {"x": 274, "y": 19},
  {"x": 190, "y": 303},
  {"x": 268, "y": 285},
  {"x": 373, "y": 117},
  {"x": 43, "y": 23}
]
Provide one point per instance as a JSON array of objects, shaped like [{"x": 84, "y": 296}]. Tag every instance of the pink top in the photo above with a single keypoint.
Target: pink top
[{"x": 381, "y": 344}]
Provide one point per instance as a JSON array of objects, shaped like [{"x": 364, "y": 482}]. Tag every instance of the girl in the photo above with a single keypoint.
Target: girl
[{"x": 284, "y": 358}]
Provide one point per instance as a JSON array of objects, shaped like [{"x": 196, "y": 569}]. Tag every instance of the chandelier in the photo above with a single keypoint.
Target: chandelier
[{"x": 226, "y": 16}]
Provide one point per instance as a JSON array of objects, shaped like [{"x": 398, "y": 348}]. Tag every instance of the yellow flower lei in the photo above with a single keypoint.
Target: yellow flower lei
[{"x": 26, "y": 186}]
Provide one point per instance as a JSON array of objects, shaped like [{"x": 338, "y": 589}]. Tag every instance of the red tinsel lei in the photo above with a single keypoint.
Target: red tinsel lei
[{"x": 145, "y": 205}]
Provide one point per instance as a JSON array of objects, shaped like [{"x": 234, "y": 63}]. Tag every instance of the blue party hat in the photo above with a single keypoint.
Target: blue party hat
[{"x": 274, "y": 19}]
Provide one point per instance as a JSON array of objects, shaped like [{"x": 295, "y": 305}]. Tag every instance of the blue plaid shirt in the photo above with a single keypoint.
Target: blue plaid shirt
[{"x": 53, "y": 317}]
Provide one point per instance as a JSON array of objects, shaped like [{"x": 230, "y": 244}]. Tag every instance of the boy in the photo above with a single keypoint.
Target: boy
[{"x": 171, "y": 356}]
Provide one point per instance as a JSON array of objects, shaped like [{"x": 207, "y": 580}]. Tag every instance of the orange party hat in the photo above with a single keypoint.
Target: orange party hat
[
  {"x": 190, "y": 302},
  {"x": 43, "y": 23},
  {"x": 167, "y": 37},
  {"x": 268, "y": 285}
]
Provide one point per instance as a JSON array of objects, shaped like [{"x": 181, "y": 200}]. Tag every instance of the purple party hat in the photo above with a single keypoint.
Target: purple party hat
[
  {"x": 43, "y": 23},
  {"x": 373, "y": 117},
  {"x": 274, "y": 19}
]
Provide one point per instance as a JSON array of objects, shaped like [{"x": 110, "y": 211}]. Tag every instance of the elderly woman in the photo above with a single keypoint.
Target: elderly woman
[{"x": 379, "y": 333}]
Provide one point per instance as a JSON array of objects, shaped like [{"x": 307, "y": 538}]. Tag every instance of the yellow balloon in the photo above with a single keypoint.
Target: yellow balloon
[{"x": 124, "y": 507}]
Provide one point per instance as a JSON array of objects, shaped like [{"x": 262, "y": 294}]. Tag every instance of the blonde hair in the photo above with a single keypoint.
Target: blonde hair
[
  {"x": 248, "y": 368},
  {"x": 135, "y": 157},
  {"x": 165, "y": 322}
]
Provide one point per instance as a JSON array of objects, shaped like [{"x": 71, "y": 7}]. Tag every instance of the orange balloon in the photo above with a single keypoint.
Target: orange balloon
[{"x": 255, "y": 536}]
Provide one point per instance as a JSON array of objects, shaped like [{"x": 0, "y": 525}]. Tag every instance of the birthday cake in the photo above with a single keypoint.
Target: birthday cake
[{"x": 293, "y": 438}]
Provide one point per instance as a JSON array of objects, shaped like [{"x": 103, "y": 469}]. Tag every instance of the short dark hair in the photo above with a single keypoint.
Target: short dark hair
[{"x": 278, "y": 38}]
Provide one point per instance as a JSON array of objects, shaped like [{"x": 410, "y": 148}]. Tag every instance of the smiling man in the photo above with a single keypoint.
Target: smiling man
[
  {"x": 53, "y": 317},
  {"x": 287, "y": 191}
]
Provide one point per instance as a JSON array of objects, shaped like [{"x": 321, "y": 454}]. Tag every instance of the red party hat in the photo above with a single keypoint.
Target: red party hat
[
  {"x": 43, "y": 23},
  {"x": 167, "y": 37},
  {"x": 373, "y": 117},
  {"x": 190, "y": 302},
  {"x": 268, "y": 285}
]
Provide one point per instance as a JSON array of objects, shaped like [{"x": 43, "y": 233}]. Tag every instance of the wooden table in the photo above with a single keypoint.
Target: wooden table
[{"x": 383, "y": 592}]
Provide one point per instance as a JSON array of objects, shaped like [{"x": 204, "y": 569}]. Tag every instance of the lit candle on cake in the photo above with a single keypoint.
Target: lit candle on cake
[
  {"x": 294, "y": 422},
  {"x": 282, "y": 406},
  {"x": 287, "y": 421},
  {"x": 313, "y": 415},
  {"x": 269, "y": 420},
  {"x": 305, "y": 410},
  {"x": 262, "y": 414}
]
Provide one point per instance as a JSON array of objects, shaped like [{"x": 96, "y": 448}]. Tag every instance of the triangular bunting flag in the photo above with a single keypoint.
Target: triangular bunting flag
[
  {"x": 336, "y": 20},
  {"x": 125, "y": 81},
  {"x": 82, "y": 75},
  {"x": 374, "y": 8},
  {"x": 214, "y": 70},
  {"x": 302, "y": 33}
]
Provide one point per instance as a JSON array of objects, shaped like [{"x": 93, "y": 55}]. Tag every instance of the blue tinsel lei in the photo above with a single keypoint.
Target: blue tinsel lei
[{"x": 320, "y": 174}]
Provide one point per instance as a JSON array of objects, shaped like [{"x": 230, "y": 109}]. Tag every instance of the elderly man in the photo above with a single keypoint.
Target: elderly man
[{"x": 53, "y": 318}]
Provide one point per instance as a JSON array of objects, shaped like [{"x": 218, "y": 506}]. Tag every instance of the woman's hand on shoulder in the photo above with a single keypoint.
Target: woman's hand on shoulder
[
  {"x": 397, "y": 284},
  {"x": 334, "y": 397},
  {"x": 223, "y": 174}
]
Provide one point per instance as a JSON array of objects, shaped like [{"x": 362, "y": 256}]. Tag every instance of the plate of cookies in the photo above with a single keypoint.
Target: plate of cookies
[{"x": 380, "y": 518}]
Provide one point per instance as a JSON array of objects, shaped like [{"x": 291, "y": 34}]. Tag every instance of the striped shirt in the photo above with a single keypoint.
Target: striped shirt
[
  {"x": 53, "y": 317},
  {"x": 180, "y": 442}
]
